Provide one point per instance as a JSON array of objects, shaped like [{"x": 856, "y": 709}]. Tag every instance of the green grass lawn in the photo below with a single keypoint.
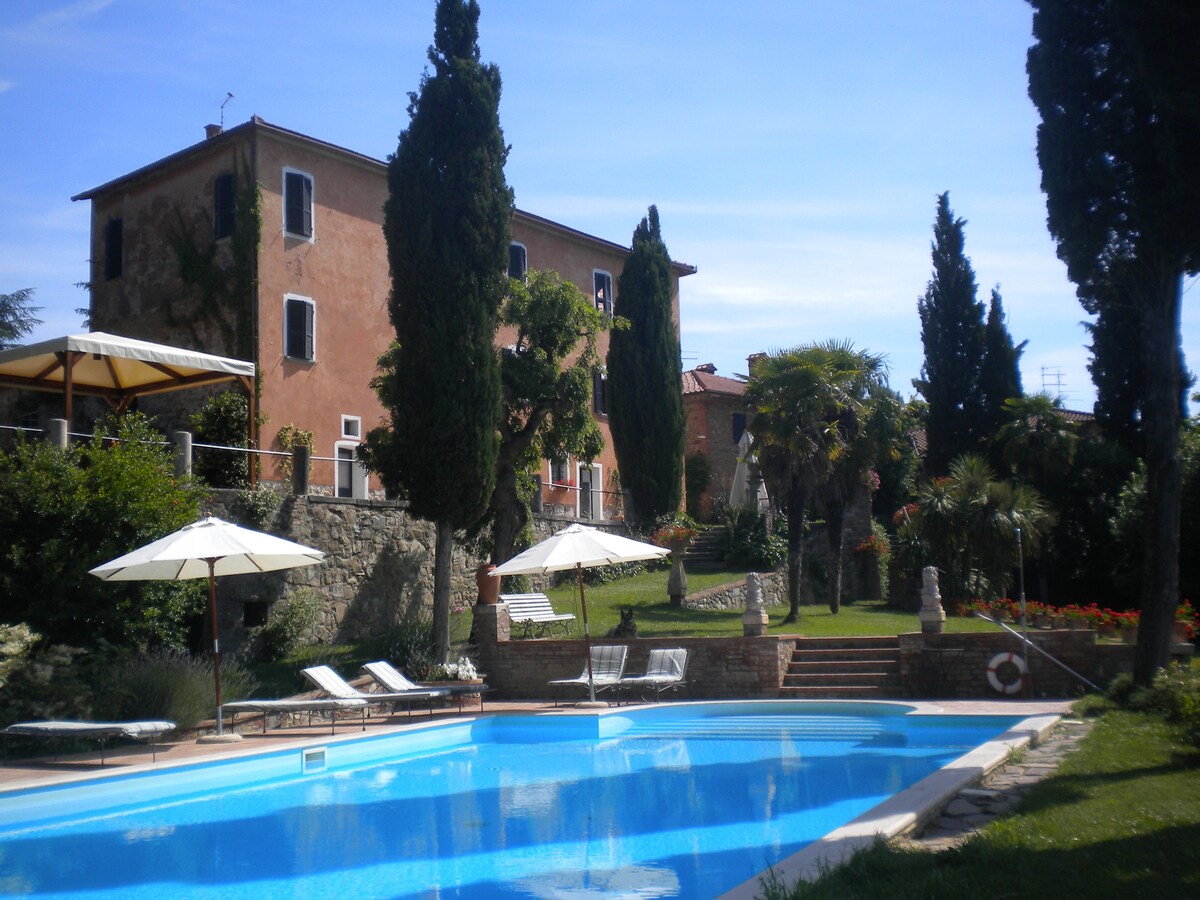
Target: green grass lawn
[
  {"x": 1119, "y": 819},
  {"x": 655, "y": 616}
]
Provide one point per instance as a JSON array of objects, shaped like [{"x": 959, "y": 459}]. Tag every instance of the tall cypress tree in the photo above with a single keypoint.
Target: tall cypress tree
[
  {"x": 645, "y": 379},
  {"x": 446, "y": 223},
  {"x": 952, "y": 331},
  {"x": 1000, "y": 374},
  {"x": 1115, "y": 83}
]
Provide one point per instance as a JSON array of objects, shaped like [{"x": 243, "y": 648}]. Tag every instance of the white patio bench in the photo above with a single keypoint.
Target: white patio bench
[{"x": 533, "y": 612}]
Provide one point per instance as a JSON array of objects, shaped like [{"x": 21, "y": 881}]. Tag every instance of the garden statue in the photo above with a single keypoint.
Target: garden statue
[
  {"x": 754, "y": 621},
  {"x": 932, "y": 616}
]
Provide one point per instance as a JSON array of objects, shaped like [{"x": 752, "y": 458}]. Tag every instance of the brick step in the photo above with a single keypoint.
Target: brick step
[
  {"x": 849, "y": 667},
  {"x": 847, "y": 643},
  {"x": 881, "y": 657},
  {"x": 847, "y": 678},
  {"x": 840, "y": 692}
]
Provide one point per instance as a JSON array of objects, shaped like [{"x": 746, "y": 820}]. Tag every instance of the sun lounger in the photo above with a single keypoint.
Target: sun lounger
[
  {"x": 319, "y": 704},
  {"x": 392, "y": 679},
  {"x": 56, "y": 730},
  {"x": 665, "y": 671},
  {"x": 533, "y": 612},
  {"x": 336, "y": 686},
  {"x": 608, "y": 664}
]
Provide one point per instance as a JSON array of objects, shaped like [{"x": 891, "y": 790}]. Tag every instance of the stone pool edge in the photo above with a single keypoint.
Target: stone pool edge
[{"x": 907, "y": 810}]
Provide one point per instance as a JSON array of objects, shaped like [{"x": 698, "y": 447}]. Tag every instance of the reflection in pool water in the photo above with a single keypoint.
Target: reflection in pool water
[{"x": 682, "y": 801}]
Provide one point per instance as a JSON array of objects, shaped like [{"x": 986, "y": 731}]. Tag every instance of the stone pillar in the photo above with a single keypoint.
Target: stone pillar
[
  {"x": 300, "y": 465},
  {"x": 183, "y": 453},
  {"x": 56, "y": 433},
  {"x": 932, "y": 616},
  {"x": 677, "y": 586},
  {"x": 754, "y": 622}
]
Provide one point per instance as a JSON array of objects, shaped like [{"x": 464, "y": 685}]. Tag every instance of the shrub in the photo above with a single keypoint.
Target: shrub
[
  {"x": 46, "y": 682},
  {"x": 1175, "y": 695},
  {"x": 409, "y": 645},
  {"x": 165, "y": 684},
  {"x": 290, "y": 623},
  {"x": 222, "y": 422},
  {"x": 752, "y": 545}
]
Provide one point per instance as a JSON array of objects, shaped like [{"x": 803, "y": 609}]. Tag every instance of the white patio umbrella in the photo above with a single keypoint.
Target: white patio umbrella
[
  {"x": 206, "y": 549},
  {"x": 579, "y": 547}
]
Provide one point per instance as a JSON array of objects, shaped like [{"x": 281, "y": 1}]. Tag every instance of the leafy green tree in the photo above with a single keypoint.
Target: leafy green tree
[
  {"x": 546, "y": 411},
  {"x": 17, "y": 317},
  {"x": 645, "y": 379},
  {"x": 1000, "y": 375},
  {"x": 953, "y": 333},
  {"x": 446, "y": 223},
  {"x": 1116, "y": 84},
  {"x": 806, "y": 403},
  {"x": 64, "y": 512},
  {"x": 222, "y": 422}
]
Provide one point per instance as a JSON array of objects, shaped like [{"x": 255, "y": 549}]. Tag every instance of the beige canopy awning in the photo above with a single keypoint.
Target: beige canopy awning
[{"x": 119, "y": 369}]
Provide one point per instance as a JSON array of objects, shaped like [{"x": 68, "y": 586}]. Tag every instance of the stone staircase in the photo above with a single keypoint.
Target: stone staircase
[
  {"x": 863, "y": 668},
  {"x": 706, "y": 551}
]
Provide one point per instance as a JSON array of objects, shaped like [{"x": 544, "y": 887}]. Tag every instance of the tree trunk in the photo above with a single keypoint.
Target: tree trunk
[
  {"x": 443, "y": 554},
  {"x": 510, "y": 515},
  {"x": 835, "y": 520},
  {"x": 797, "y": 501},
  {"x": 1160, "y": 570}
]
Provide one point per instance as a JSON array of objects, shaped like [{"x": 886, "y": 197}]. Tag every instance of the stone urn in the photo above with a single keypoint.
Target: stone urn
[{"x": 488, "y": 585}]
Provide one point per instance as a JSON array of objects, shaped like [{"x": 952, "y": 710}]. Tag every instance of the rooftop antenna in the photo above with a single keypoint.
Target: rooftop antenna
[
  {"x": 228, "y": 97},
  {"x": 1052, "y": 377}
]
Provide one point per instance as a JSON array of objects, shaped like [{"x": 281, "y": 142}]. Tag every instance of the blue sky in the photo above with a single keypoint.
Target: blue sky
[{"x": 795, "y": 150}]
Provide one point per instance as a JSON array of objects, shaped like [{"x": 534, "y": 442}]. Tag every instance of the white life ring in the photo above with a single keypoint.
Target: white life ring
[{"x": 1022, "y": 672}]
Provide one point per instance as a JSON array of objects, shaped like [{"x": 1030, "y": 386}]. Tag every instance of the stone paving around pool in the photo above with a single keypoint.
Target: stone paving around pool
[{"x": 999, "y": 792}]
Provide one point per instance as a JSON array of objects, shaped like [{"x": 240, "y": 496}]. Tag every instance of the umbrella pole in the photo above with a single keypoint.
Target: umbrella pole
[
  {"x": 212, "y": 610},
  {"x": 587, "y": 641}
]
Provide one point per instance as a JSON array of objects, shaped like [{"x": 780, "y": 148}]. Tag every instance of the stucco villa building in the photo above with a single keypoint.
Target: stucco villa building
[{"x": 264, "y": 244}]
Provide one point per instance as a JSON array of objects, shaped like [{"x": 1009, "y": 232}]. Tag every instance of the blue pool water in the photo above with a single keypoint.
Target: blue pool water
[{"x": 678, "y": 801}]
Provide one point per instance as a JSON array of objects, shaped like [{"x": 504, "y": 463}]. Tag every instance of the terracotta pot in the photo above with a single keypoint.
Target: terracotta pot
[
  {"x": 488, "y": 585},
  {"x": 1179, "y": 633}
]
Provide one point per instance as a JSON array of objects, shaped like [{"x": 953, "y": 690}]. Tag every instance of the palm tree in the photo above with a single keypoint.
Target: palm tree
[
  {"x": 966, "y": 524},
  {"x": 1038, "y": 442},
  {"x": 808, "y": 404}
]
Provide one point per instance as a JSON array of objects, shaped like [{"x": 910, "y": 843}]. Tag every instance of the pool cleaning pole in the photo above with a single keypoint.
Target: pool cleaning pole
[{"x": 1024, "y": 614}]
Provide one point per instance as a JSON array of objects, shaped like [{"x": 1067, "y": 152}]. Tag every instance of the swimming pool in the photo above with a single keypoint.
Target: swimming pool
[{"x": 683, "y": 800}]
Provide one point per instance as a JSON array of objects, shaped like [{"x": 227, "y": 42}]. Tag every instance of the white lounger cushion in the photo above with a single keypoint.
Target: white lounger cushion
[{"x": 64, "y": 728}]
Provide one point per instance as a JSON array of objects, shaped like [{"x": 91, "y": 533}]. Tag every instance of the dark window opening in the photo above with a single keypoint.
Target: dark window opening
[
  {"x": 739, "y": 425},
  {"x": 517, "y": 261},
  {"x": 345, "y": 472},
  {"x": 600, "y": 393},
  {"x": 254, "y": 615},
  {"x": 223, "y": 206},
  {"x": 114, "y": 248},
  {"x": 602, "y": 283}
]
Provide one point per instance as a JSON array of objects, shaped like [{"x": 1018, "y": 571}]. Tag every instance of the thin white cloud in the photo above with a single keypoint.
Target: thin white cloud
[
  {"x": 7, "y": 86},
  {"x": 53, "y": 22}
]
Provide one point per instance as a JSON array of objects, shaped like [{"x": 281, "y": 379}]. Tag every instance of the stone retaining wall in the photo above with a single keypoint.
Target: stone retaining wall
[
  {"x": 954, "y": 666},
  {"x": 718, "y": 668}
]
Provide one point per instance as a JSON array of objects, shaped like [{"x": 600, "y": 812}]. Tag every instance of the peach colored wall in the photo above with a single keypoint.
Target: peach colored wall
[{"x": 343, "y": 270}]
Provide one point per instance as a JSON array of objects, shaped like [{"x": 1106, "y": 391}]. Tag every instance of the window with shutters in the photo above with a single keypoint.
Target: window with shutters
[
  {"x": 114, "y": 248},
  {"x": 298, "y": 204},
  {"x": 602, "y": 290},
  {"x": 223, "y": 206},
  {"x": 518, "y": 261},
  {"x": 299, "y": 328}
]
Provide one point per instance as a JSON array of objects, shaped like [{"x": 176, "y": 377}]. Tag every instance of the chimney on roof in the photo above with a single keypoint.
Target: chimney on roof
[
  {"x": 211, "y": 131},
  {"x": 752, "y": 360},
  {"x": 707, "y": 368}
]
